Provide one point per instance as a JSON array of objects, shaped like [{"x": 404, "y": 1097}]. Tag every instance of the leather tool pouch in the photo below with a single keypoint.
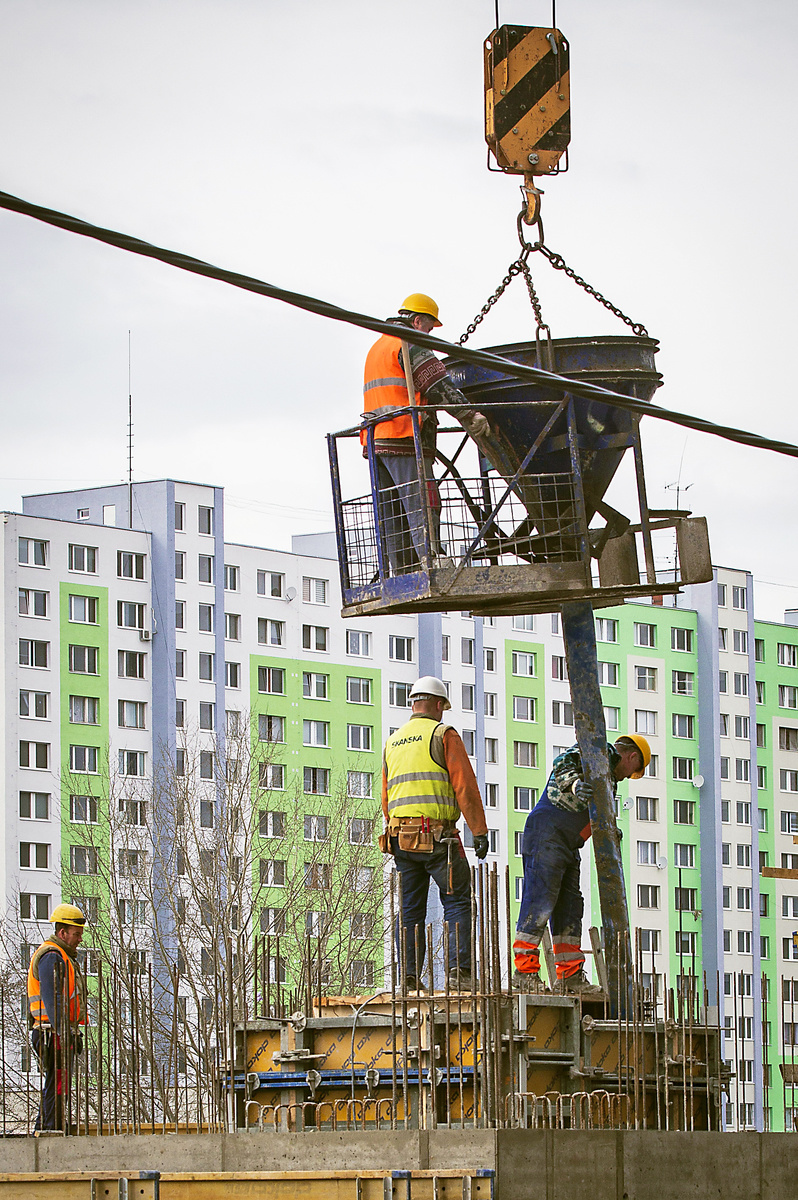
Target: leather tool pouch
[
  {"x": 416, "y": 840},
  {"x": 384, "y": 842}
]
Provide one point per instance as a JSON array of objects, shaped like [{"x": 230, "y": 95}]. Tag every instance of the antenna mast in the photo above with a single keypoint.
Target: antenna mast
[{"x": 129, "y": 440}]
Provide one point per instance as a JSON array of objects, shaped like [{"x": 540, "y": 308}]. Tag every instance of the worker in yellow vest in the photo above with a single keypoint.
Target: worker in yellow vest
[
  {"x": 427, "y": 783},
  {"x": 56, "y": 1007},
  {"x": 385, "y": 389}
]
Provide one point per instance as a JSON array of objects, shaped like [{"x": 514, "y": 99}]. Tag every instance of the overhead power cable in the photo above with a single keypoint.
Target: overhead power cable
[{"x": 480, "y": 358}]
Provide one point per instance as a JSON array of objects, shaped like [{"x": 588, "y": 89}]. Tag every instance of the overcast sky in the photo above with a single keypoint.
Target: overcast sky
[{"x": 338, "y": 149}]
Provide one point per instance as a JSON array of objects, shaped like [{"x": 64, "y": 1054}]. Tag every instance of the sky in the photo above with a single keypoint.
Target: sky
[{"x": 338, "y": 150}]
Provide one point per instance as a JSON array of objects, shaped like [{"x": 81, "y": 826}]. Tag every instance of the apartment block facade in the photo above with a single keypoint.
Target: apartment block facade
[{"x": 135, "y": 635}]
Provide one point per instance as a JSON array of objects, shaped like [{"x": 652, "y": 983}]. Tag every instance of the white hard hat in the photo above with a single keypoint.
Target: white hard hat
[{"x": 428, "y": 685}]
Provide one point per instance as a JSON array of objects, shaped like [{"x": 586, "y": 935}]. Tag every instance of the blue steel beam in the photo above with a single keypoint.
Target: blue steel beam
[{"x": 579, "y": 634}]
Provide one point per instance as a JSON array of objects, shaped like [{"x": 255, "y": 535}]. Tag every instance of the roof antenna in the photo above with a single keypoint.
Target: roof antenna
[{"x": 129, "y": 440}]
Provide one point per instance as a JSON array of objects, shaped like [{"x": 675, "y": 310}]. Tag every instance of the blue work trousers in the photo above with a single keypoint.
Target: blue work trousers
[
  {"x": 551, "y": 883},
  {"x": 416, "y": 870},
  {"x": 403, "y": 514}
]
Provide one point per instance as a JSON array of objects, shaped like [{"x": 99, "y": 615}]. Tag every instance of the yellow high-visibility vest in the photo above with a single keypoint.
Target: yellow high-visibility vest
[{"x": 417, "y": 785}]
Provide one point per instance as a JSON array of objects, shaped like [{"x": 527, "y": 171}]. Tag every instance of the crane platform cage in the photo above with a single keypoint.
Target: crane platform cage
[{"x": 513, "y": 521}]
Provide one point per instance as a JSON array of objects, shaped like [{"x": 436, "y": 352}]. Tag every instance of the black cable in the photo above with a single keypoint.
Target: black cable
[{"x": 480, "y": 358}]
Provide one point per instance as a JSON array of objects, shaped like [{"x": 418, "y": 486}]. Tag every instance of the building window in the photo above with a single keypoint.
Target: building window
[
  {"x": 271, "y": 824},
  {"x": 744, "y": 899},
  {"x": 315, "y": 637},
  {"x": 525, "y": 754},
  {"x": 524, "y": 798},
  {"x": 683, "y": 726},
  {"x": 491, "y": 750},
  {"x": 359, "y": 784},
  {"x": 400, "y": 649},
  {"x": 647, "y": 895},
  {"x": 271, "y": 680},
  {"x": 524, "y": 624},
  {"x": 314, "y": 685},
  {"x": 645, "y": 635},
  {"x": 742, "y": 727},
  {"x": 231, "y": 578},
  {"x": 35, "y": 755},
  {"x": 34, "y": 806},
  {"x": 683, "y": 768},
  {"x": 83, "y": 559},
  {"x": 788, "y": 782},
  {"x": 232, "y": 627},
  {"x": 559, "y": 667},
  {"x": 399, "y": 695},
  {"x": 271, "y": 633},
  {"x": 271, "y": 728},
  {"x": 84, "y": 710},
  {"x": 739, "y": 599},
  {"x": 83, "y": 860},
  {"x": 33, "y": 653},
  {"x": 206, "y": 667},
  {"x": 645, "y": 721},
  {"x": 489, "y": 704},
  {"x": 685, "y": 899},
  {"x": 647, "y": 808},
  {"x": 130, "y": 566},
  {"x": 271, "y": 775},
  {"x": 316, "y": 781},
  {"x": 740, "y": 683},
  {"x": 470, "y": 742},
  {"x": 682, "y": 639},
  {"x": 652, "y": 770},
  {"x": 684, "y": 812},
  {"x": 467, "y": 651},
  {"x": 358, "y": 737},
  {"x": 723, "y": 682},
  {"x": 83, "y": 610},
  {"x": 207, "y": 715},
  {"x": 741, "y": 641},
  {"x": 445, "y": 641},
  {"x": 684, "y": 854},
  {"x": 742, "y": 770},
  {"x": 647, "y": 853},
  {"x": 608, "y": 674},
  {"x": 180, "y": 564},
  {"x": 743, "y": 812},
  {"x": 318, "y": 876},
  {"x": 743, "y": 854},
  {"x": 607, "y": 630},
  {"x": 314, "y": 591},
  {"x": 489, "y": 658},
  {"x": 524, "y": 708},
  {"x": 358, "y": 643},
  {"x": 683, "y": 683},
  {"x": 131, "y": 762},
  {"x": 315, "y": 733},
  {"x": 270, "y": 583},
  {"x": 34, "y": 704},
  {"x": 31, "y": 603},
  {"x": 491, "y": 795},
  {"x": 612, "y": 717},
  {"x": 33, "y": 552},
  {"x": 205, "y": 568},
  {"x": 646, "y": 679},
  {"x": 358, "y": 691},
  {"x": 467, "y": 697},
  {"x": 272, "y": 872},
  {"x": 34, "y": 855},
  {"x": 523, "y": 663},
  {"x": 232, "y": 674},
  {"x": 562, "y": 712}
]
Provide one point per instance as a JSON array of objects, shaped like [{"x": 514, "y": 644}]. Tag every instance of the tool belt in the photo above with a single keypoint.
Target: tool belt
[{"x": 417, "y": 835}]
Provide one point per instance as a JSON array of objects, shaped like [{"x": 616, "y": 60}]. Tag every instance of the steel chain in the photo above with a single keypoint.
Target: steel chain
[{"x": 521, "y": 267}]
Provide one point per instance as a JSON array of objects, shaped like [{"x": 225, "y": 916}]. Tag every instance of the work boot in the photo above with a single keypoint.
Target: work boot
[
  {"x": 464, "y": 984},
  {"x": 529, "y": 983},
  {"x": 580, "y": 985},
  {"x": 412, "y": 985}
]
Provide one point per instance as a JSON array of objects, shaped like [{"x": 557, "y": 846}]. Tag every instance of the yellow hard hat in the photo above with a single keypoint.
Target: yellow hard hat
[
  {"x": 643, "y": 747},
  {"x": 67, "y": 914},
  {"x": 419, "y": 303}
]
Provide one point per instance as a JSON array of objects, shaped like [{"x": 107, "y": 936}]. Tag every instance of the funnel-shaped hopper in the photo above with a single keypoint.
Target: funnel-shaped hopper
[{"x": 518, "y": 410}]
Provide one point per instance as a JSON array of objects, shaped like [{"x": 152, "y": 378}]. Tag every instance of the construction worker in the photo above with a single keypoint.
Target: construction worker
[
  {"x": 427, "y": 782},
  {"x": 56, "y": 1006},
  {"x": 555, "y": 831},
  {"x": 385, "y": 388}
]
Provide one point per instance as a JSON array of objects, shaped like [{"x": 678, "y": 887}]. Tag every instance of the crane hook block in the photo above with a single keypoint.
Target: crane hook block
[{"x": 527, "y": 99}]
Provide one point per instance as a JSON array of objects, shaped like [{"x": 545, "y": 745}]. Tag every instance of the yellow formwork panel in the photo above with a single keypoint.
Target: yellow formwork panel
[
  {"x": 545, "y": 1024},
  {"x": 262, "y": 1045}
]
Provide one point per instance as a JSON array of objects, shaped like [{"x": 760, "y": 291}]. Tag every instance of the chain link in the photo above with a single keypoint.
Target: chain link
[{"x": 521, "y": 267}]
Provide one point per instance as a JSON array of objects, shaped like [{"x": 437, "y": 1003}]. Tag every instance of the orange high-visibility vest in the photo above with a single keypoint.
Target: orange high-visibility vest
[
  {"x": 73, "y": 986},
  {"x": 385, "y": 388}
]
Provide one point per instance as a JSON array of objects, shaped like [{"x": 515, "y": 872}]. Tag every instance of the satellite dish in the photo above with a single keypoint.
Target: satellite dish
[
  {"x": 290, "y": 593},
  {"x": 627, "y": 804},
  {"x": 662, "y": 863},
  {"x": 698, "y": 781}
]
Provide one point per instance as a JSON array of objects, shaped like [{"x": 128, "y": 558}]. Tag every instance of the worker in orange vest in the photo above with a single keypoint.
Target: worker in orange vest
[
  {"x": 56, "y": 1007},
  {"x": 386, "y": 388}
]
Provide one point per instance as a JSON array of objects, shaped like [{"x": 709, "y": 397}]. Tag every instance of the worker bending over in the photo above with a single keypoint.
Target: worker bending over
[
  {"x": 56, "y": 1006},
  {"x": 555, "y": 831},
  {"x": 427, "y": 782},
  {"x": 385, "y": 388}
]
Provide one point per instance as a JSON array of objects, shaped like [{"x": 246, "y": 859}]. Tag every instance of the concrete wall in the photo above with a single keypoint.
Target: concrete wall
[{"x": 530, "y": 1164}]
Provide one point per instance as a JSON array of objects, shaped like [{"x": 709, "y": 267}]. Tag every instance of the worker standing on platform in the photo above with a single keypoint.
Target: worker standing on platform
[
  {"x": 386, "y": 388},
  {"x": 427, "y": 782},
  {"x": 555, "y": 831},
  {"x": 56, "y": 1006}
]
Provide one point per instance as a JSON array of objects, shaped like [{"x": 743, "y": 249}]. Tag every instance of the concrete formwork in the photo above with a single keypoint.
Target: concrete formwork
[{"x": 529, "y": 1164}]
